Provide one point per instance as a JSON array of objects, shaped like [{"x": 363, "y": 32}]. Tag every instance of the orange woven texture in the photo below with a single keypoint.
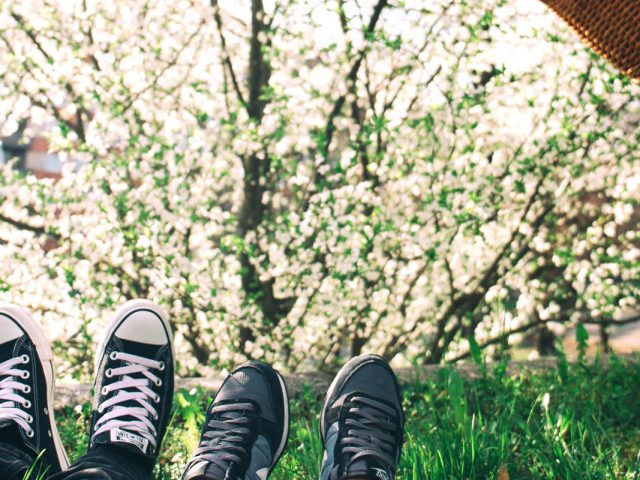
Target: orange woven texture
[{"x": 611, "y": 27}]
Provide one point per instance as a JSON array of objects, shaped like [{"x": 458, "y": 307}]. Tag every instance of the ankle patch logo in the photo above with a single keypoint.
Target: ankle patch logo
[
  {"x": 380, "y": 473},
  {"x": 123, "y": 436}
]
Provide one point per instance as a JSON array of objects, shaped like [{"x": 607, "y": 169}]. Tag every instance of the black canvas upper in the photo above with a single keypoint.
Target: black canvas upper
[
  {"x": 42, "y": 438},
  {"x": 160, "y": 353}
]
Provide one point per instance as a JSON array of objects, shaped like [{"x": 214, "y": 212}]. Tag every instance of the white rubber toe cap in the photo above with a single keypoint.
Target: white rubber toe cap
[
  {"x": 9, "y": 330},
  {"x": 144, "y": 325}
]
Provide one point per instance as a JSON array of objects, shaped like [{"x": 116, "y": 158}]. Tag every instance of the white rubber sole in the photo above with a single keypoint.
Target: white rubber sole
[
  {"x": 285, "y": 436},
  {"x": 37, "y": 336},
  {"x": 125, "y": 310}
]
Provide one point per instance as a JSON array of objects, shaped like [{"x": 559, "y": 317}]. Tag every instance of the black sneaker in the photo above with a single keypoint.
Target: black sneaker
[
  {"x": 246, "y": 427},
  {"x": 362, "y": 422},
  {"x": 133, "y": 389},
  {"x": 26, "y": 389}
]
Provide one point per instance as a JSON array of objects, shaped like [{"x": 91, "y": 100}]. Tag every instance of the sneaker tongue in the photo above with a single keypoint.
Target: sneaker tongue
[
  {"x": 129, "y": 441},
  {"x": 10, "y": 432},
  {"x": 5, "y": 422},
  {"x": 7, "y": 350},
  {"x": 367, "y": 468},
  {"x": 140, "y": 349}
]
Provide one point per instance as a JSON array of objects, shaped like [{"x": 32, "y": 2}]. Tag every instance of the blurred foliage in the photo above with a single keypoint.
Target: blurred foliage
[{"x": 304, "y": 181}]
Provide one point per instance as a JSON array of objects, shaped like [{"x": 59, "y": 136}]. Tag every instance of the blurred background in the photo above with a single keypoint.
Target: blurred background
[{"x": 302, "y": 181}]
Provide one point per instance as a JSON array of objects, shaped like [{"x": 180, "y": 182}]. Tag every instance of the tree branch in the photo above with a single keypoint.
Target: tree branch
[
  {"x": 351, "y": 77},
  {"x": 24, "y": 226},
  {"x": 225, "y": 53}
]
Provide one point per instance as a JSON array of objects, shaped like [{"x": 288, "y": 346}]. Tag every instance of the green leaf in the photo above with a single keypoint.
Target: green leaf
[
  {"x": 582, "y": 337},
  {"x": 476, "y": 352},
  {"x": 562, "y": 362},
  {"x": 581, "y": 334}
]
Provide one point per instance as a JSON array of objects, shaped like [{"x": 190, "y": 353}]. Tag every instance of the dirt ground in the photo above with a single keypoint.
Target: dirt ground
[{"x": 623, "y": 339}]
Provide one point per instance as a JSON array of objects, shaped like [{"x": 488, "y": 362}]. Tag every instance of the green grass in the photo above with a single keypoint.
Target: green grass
[{"x": 574, "y": 422}]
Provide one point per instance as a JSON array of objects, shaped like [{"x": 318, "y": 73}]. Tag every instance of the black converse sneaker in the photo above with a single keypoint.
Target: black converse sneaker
[
  {"x": 362, "y": 422},
  {"x": 246, "y": 427},
  {"x": 133, "y": 389},
  {"x": 26, "y": 389}
]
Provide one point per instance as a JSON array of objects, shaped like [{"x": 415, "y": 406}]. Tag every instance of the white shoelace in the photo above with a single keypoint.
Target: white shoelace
[
  {"x": 10, "y": 400},
  {"x": 139, "y": 391}
]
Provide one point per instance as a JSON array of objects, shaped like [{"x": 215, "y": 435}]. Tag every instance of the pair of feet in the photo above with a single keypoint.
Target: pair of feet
[{"x": 246, "y": 427}]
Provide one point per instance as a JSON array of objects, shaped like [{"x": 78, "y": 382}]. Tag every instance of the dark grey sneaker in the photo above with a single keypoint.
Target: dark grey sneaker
[
  {"x": 362, "y": 422},
  {"x": 133, "y": 389},
  {"x": 246, "y": 428},
  {"x": 26, "y": 389}
]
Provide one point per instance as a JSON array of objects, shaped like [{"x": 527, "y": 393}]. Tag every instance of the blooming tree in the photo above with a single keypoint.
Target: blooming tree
[{"x": 301, "y": 180}]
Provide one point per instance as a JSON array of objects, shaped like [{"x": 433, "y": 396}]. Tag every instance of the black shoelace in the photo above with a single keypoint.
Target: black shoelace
[
  {"x": 372, "y": 429},
  {"x": 229, "y": 437}
]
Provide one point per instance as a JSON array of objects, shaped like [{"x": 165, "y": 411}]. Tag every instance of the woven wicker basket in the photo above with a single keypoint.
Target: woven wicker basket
[{"x": 611, "y": 27}]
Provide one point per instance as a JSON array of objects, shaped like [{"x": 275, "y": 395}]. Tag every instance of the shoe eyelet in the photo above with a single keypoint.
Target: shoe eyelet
[
  {"x": 105, "y": 390},
  {"x": 29, "y": 419},
  {"x": 108, "y": 373},
  {"x": 25, "y": 358},
  {"x": 155, "y": 416},
  {"x": 162, "y": 366},
  {"x": 158, "y": 383},
  {"x": 27, "y": 404},
  {"x": 46, "y": 411},
  {"x": 26, "y": 389},
  {"x": 31, "y": 434},
  {"x": 156, "y": 399},
  {"x": 113, "y": 355},
  {"x": 100, "y": 409},
  {"x": 25, "y": 374}
]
